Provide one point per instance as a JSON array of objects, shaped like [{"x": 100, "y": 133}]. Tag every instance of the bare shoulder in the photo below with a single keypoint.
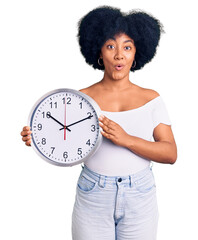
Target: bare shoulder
[
  {"x": 149, "y": 94},
  {"x": 84, "y": 90},
  {"x": 89, "y": 90}
]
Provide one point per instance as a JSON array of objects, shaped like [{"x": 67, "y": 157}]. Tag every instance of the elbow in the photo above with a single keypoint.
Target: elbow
[
  {"x": 173, "y": 154},
  {"x": 173, "y": 158}
]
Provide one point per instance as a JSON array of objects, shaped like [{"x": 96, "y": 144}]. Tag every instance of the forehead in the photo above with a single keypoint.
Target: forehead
[{"x": 121, "y": 37}]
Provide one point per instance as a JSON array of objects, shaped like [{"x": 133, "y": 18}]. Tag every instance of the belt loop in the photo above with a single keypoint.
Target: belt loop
[
  {"x": 130, "y": 179},
  {"x": 151, "y": 165},
  {"x": 102, "y": 180}
]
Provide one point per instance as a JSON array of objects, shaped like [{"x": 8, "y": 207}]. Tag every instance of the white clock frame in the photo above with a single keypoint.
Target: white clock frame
[{"x": 96, "y": 111}]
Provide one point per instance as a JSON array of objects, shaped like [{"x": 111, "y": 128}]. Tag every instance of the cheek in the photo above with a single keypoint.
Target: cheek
[
  {"x": 130, "y": 61},
  {"x": 107, "y": 63},
  {"x": 130, "y": 57}
]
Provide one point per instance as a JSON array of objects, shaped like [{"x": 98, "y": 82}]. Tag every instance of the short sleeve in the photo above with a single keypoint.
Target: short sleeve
[{"x": 160, "y": 113}]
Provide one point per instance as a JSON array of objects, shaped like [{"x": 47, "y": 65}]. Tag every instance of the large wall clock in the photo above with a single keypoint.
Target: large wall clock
[{"x": 65, "y": 127}]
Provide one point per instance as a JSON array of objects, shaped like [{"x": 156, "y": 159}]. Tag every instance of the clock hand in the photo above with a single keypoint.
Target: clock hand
[
  {"x": 58, "y": 122},
  {"x": 65, "y": 123},
  {"x": 89, "y": 117}
]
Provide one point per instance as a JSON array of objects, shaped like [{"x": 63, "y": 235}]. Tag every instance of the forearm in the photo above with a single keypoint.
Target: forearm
[{"x": 162, "y": 152}]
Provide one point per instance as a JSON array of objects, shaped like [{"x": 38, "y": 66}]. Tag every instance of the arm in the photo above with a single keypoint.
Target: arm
[{"x": 163, "y": 150}]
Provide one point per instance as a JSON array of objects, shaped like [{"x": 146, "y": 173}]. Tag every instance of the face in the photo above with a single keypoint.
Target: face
[{"x": 118, "y": 55}]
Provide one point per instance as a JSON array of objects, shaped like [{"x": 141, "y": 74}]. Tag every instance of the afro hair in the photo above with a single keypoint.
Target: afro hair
[{"x": 103, "y": 23}]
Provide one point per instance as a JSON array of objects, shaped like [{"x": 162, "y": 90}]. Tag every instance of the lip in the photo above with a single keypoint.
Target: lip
[{"x": 119, "y": 67}]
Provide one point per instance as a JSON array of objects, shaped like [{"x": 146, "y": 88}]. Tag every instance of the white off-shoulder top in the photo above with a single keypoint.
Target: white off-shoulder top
[{"x": 113, "y": 160}]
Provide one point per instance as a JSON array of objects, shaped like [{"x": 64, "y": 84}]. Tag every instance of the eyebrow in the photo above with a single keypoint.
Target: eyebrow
[
  {"x": 128, "y": 41},
  {"x": 124, "y": 41}
]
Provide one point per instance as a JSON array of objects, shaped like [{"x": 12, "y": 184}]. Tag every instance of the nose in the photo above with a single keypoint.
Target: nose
[{"x": 118, "y": 54}]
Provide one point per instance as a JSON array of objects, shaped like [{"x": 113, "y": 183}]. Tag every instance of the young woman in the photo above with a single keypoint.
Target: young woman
[{"x": 116, "y": 192}]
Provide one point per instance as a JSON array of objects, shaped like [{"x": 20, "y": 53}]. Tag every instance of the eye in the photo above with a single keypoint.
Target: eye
[
  {"x": 128, "y": 48},
  {"x": 110, "y": 46}
]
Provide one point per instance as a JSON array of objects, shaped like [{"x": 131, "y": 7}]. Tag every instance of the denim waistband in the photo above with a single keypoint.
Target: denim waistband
[{"x": 103, "y": 178}]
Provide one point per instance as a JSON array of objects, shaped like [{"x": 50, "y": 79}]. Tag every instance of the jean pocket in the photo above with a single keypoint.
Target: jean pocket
[
  {"x": 86, "y": 184},
  {"x": 146, "y": 183}
]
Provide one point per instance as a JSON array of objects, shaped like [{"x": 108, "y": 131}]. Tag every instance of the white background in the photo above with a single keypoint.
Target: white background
[{"x": 39, "y": 52}]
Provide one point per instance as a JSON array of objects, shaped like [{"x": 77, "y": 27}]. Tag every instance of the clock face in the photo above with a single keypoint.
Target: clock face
[{"x": 65, "y": 127}]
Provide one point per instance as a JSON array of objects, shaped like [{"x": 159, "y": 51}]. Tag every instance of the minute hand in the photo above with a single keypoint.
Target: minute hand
[
  {"x": 89, "y": 117},
  {"x": 58, "y": 122}
]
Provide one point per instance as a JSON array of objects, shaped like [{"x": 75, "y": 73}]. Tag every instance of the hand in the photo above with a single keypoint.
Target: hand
[
  {"x": 113, "y": 131},
  {"x": 89, "y": 117},
  {"x": 26, "y": 135}
]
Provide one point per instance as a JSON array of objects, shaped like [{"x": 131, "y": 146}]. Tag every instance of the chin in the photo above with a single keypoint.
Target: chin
[{"x": 118, "y": 76}]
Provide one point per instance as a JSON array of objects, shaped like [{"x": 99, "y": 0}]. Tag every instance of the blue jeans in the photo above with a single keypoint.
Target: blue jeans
[{"x": 115, "y": 208}]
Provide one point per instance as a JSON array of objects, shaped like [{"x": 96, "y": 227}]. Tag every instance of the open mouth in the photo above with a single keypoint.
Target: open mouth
[{"x": 119, "y": 67}]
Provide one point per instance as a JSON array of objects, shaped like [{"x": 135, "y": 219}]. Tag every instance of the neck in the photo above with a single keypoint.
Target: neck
[{"x": 115, "y": 85}]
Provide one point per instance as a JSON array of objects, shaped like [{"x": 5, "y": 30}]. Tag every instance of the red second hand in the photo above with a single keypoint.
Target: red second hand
[{"x": 65, "y": 122}]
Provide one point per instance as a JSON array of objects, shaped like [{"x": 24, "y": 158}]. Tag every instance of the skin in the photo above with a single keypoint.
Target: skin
[{"x": 112, "y": 94}]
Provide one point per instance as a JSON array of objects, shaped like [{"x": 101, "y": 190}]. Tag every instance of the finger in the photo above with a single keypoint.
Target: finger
[
  {"x": 109, "y": 123},
  {"x": 27, "y": 138},
  {"x": 25, "y": 133},
  {"x": 107, "y": 135},
  {"x": 28, "y": 143},
  {"x": 26, "y": 128},
  {"x": 107, "y": 129}
]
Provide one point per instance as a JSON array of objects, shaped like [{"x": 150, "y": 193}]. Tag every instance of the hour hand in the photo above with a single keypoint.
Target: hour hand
[{"x": 50, "y": 116}]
